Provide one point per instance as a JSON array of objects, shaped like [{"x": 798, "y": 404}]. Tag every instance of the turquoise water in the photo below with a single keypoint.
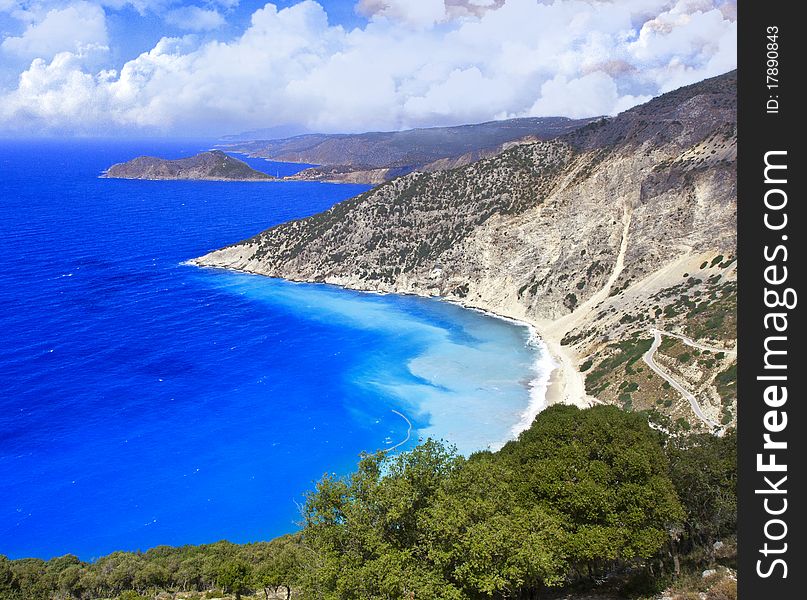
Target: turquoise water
[{"x": 146, "y": 402}]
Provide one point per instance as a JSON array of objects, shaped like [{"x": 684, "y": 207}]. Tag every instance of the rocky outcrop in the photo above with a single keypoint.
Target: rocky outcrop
[
  {"x": 214, "y": 165},
  {"x": 626, "y": 224}
]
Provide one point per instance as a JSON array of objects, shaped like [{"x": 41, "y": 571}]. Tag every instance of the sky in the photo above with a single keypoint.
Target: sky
[{"x": 212, "y": 67}]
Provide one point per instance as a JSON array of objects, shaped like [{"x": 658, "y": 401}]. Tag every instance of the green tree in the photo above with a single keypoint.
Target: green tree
[
  {"x": 580, "y": 491},
  {"x": 484, "y": 541},
  {"x": 189, "y": 573},
  {"x": 703, "y": 468},
  {"x": 281, "y": 568},
  {"x": 91, "y": 583},
  {"x": 6, "y": 576},
  {"x": 150, "y": 575},
  {"x": 367, "y": 530},
  {"x": 602, "y": 474},
  {"x": 119, "y": 570},
  {"x": 234, "y": 576},
  {"x": 30, "y": 579},
  {"x": 69, "y": 581}
]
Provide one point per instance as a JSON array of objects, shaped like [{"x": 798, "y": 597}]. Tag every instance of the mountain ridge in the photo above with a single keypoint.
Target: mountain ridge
[{"x": 375, "y": 157}]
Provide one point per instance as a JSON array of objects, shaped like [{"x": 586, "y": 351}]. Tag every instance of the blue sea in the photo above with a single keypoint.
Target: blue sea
[{"x": 147, "y": 402}]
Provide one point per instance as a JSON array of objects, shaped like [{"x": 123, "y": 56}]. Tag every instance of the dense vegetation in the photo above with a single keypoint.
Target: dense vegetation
[{"x": 581, "y": 498}]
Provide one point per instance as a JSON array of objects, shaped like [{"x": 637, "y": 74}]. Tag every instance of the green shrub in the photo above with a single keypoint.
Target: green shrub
[
  {"x": 683, "y": 424},
  {"x": 723, "y": 590},
  {"x": 726, "y": 382},
  {"x": 643, "y": 584}
]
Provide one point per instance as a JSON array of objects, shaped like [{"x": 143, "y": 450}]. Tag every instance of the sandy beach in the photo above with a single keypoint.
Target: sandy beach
[{"x": 566, "y": 384}]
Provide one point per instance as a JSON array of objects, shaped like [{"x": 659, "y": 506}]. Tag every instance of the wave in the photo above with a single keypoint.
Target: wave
[
  {"x": 542, "y": 367},
  {"x": 539, "y": 386}
]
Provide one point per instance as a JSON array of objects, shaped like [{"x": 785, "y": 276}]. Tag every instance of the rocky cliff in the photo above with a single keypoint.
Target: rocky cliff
[
  {"x": 598, "y": 237},
  {"x": 213, "y": 165}
]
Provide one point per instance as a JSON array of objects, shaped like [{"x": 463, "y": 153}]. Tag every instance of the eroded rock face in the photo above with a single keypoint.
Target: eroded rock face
[
  {"x": 213, "y": 165},
  {"x": 579, "y": 231}
]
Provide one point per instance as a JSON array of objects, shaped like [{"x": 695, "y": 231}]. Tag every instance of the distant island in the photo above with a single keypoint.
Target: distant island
[{"x": 213, "y": 165}]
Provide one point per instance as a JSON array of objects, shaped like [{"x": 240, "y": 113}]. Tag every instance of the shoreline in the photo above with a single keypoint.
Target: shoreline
[
  {"x": 545, "y": 389},
  {"x": 557, "y": 380},
  {"x": 255, "y": 180},
  {"x": 565, "y": 383}
]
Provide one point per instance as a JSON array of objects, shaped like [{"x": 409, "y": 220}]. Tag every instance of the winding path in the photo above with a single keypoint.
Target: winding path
[
  {"x": 648, "y": 358},
  {"x": 693, "y": 343}
]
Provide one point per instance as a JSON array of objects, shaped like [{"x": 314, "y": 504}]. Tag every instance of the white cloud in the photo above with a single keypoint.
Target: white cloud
[
  {"x": 226, "y": 4},
  {"x": 692, "y": 40},
  {"x": 464, "y": 8},
  {"x": 422, "y": 13},
  {"x": 403, "y": 69},
  {"x": 592, "y": 94},
  {"x": 60, "y": 29},
  {"x": 195, "y": 18}
]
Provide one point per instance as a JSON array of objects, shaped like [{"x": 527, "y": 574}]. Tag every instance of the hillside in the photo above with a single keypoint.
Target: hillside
[
  {"x": 597, "y": 237},
  {"x": 212, "y": 165},
  {"x": 376, "y": 157},
  {"x": 588, "y": 504}
]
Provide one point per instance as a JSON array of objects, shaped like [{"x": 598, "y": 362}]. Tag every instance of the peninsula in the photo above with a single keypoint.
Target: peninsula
[
  {"x": 213, "y": 165},
  {"x": 376, "y": 157},
  {"x": 600, "y": 238}
]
